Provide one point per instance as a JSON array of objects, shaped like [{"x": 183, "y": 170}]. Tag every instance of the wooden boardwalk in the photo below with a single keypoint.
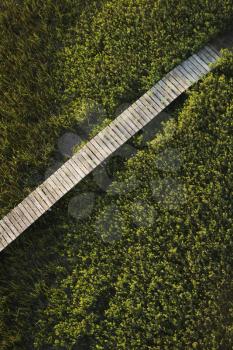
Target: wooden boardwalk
[{"x": 105, "y": 143}]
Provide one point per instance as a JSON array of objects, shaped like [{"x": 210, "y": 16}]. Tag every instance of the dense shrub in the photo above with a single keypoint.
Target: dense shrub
[
  {"x": 152, "y": 267},
  {"x": 58, "y": 56},
  {"x": 158, "y": 274},
  {"x": 130, "y": 44},
  {"x": 162, "y": 277}
]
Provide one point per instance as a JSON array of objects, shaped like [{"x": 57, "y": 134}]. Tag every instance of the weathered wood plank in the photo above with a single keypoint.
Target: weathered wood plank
[
  {"x": 58, "y": 183},
  {"x": 88, "y": 160},
  {"x": 5, "y": 230},
  {"x": 27, "y": 209},
  {"x": 159, "y": 105},
  {"x": 147, "y": 105},
  {"x": 129, "y": 120},
  {"x": 78, "y": 174},
  {"x": 79, "y": 163},
  {"x": 175, "y": 89},
  {"x": 33, "y": 213},
  {"x": 36, "y": 205},
  {"x": 50, "y": 193},
  {"x": 147, "y": 115},
  {"x": 101, "y": 145},
  {"x": 24, "y": 210},
  {"x": 128, "y": 123},
  {"x": 167, "y": 90},
  {"x": 165, "y": 97},
  {"x": 124, "y": 129},
  {"x": 22, "y": 217},
  {"x": 3, "y": 242},
  {"x": 116, "y": 126},
  {"x": 75, "y": 174},
  {"x": 228, "y": 43},
  {"x": 6, "y": 234},
  {"x": 62, "y": 182},
  {"x": 70, "y": 176},
  {"x": 205, "y": 54},
  {"x": 19, "y": 219},
  {"x": 54, "y": 187},
  {"x": 214, "y": 53},
  {"x": 130, "y": 117},
  {"x": 186, "y": 73},
  {"x": 205, "y": 58},
  {"x": 197, "y": 66},
  {"x": 176, "y": 73},
  {"x": 100, "y": 148},
  {"x": 141, "y": 112},
  {"x": 2, "y": 235},
  {"x": 150, "y": 105},
  {"x": 70, "y": 172},
  {"x": 189, "y": 70},
  {"x": 109, "y": 134},
  {"x": 8, "y": 228},
  {"x": 93, "y": 156},
  {"x": 117, "y": 133},
  {"x": 97, "y": 152},
  {"x": 41, "y": 193},
  {"x": 196, "y": 73},
  {"x": 14, "y": 220},
  {"x": 33, "y": 210},
  {"x": 194, "y": 68},
  {"x": 162, "y": 95},
  {"x": 201, "y": 62},
  {"x": 110, "y": 139},
  {"x": 104, "y": 138},
  {"x": 176, "y": 81},
  {"x": 133, "y": 117}
]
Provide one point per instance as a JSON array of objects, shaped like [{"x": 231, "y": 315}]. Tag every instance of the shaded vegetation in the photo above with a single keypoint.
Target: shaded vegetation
[
  {"x": 151, "y": 268},
  {"x": 159, "y": 273},
  {"x": 59, "y": 58},
  {"x": 163, "y": 277}
]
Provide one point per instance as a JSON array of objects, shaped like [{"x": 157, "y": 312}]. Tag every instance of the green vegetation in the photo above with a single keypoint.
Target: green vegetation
[
  {"x": 32, "y": 34},
  {"x": 60, "y": 58},
  {"x": 158, "y": 275},
  {"x": 163, "y": 280}
]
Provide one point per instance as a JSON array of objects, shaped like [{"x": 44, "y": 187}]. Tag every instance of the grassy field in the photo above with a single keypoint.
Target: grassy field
[
  {"x": 160, "y": 279},
  {"x": 156, "y": 258},
  {"x": 62, "y": 58}
]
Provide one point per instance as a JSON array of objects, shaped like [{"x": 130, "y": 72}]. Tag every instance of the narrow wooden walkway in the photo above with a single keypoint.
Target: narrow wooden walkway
[{"x": 105, "y": 143}]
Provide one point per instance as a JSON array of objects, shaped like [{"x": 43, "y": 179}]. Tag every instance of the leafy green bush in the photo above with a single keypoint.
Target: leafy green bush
[{"x": 130, "y": 44}]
